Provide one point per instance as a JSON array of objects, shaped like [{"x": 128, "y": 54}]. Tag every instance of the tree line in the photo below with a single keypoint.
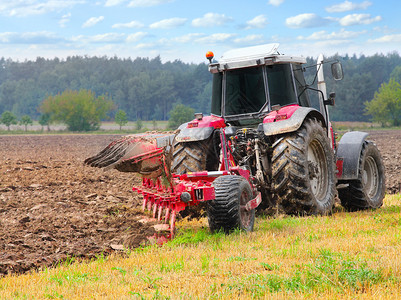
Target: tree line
[
  {"x": 147, "y": 89},
  {"x": 144, "y": 88}
]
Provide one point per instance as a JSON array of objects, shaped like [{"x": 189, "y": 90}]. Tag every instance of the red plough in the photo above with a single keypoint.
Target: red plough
[{"x": 166, "y": 194}]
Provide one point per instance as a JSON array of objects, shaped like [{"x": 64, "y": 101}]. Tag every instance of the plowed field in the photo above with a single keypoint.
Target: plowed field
[{"x": 53, "y": 208}]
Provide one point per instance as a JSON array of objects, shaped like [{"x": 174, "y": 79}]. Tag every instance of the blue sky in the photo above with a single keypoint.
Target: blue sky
[{"x": 185, "y": 30}]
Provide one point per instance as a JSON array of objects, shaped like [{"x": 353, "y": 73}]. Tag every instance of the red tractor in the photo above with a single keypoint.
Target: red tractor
[{"x": 263, "y": 145}]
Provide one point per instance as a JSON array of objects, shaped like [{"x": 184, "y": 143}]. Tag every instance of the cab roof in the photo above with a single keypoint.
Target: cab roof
[{"x": 253, "y": 56}]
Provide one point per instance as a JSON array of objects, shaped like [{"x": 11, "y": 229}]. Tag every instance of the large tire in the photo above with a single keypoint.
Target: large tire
[
  {"x": 303, "y": 171},
  {"x": 368, "y": 190},
  {"x": 227, "y": 211},
  {"x": 194, "y": 157}
]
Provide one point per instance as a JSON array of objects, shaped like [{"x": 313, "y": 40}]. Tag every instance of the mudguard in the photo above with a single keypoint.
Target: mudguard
[
  {"x": 288, "y": 119},
  {"x": 198, "y": 130},
  {"x": 348, "y": 153}
]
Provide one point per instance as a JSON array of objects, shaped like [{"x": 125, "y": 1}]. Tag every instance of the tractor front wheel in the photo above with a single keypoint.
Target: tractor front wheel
[
  {"x": 368, "y": 190},
  {"x": 228, "y": 210}
]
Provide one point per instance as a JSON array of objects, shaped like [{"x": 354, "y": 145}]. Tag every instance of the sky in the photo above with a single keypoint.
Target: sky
[{"x": 185, "y": 30}]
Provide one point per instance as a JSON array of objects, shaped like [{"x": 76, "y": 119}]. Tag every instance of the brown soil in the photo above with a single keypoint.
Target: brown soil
[{"x": 52, "y": 207}]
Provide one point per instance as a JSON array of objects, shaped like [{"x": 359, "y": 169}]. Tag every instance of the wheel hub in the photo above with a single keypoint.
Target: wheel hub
[
  {"x": 318, "y": 170},
  {"x": 370, "y": 177}
]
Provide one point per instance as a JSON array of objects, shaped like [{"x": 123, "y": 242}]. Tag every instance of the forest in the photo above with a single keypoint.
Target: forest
[{"x": 147, "y": 89}]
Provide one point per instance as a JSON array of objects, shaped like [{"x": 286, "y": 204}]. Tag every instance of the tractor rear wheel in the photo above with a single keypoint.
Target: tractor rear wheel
[
  {"x": 368, "y": 190},
  {"x": 227, "y": 211},
  {"x": 303, "y": 170}
]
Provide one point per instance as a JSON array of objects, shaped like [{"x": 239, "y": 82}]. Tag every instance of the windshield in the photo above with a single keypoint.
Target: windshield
[
  {"x": 281, "y": 85},
  {"x": 245, "y": 91}
]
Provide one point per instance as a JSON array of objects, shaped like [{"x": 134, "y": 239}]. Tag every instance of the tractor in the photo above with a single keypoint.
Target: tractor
[{"x": 263, "y": 145}]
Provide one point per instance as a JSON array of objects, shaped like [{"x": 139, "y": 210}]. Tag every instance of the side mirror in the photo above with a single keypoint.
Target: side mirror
[
  {"x": 332, "y": 99},
  {"x": 337, "y": 71}
]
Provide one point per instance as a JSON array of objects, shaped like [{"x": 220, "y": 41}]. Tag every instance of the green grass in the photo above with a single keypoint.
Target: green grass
[{"x": 342, "y": 256}]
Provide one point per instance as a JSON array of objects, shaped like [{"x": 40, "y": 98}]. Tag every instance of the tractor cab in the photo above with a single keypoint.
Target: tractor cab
[{"x": 249, "y": 83}]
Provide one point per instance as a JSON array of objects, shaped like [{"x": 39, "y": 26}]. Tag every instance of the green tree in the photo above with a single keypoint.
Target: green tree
[
  {"x": 139, "y": 124},
  {"x": 8, "y": 119},
  {"x": 44, "y": 120},
  {"x": 79, "y": 110},
  {"x": 121, "y": 118},
  {"x": 180, "y": 114},
  {"x": 26, "y": 120},
  {"x": 386, "y": 104},
  {"x": 396, "y": 74}
]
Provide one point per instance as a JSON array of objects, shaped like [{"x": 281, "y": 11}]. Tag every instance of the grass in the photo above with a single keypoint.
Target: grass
[{"x": 342, "y": 256}]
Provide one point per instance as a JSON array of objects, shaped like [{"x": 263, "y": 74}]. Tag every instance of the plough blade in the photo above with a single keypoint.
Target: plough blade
[{"x": 139, "y": 153}]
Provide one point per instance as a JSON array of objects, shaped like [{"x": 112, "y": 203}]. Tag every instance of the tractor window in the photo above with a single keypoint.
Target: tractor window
[
  {"x": 245, "y": 91},
  {"x": 281, "y": 86},
  {"x": 216, "y": 94},
  {"x": 300, "y": 84}
]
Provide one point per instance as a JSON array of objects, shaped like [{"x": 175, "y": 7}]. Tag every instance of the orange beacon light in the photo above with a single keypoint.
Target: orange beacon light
[{"x": 209, "y": 56}]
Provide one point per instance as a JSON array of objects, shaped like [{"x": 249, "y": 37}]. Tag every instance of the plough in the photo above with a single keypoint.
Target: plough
[{"x": 165, "y": 194}]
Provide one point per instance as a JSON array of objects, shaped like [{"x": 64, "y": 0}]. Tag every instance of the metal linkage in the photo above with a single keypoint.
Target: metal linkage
[{"x": 188, "y": 190}]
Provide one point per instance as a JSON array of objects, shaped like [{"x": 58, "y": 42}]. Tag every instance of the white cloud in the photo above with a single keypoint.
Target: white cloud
[
  {"x": 168, "y": 23},
  {"x": 357, "y": 19},
  {"x": 22, "y": 8},
  {"x": 391, "y": 38},
  {"x": 276, "y": 2},
  {"x": 147, "y": 3},
  {"x": 107, "y": 38},
  {"x": 347, "y": 6},
  {"x": 135, "y": 37},
  {"x": 187, "y": 38},
  {"x": 132, "y": 24},
  {"x": 257, "y": 22},
  {"x": 92, "y": 21},
  {"x": 145, "y": 46},
  {"x": 306, "y": 21},
  {"x": 100, "y": 38},
  {"x": 113, "y": 2},
  {"x": 43, "y": 37},
  {"x": 215, "y": 38},
  {"x": 211, "y": 20},
  {"x": 324, "y": 35},
  {"x": 64, "y": 19},
  {"x": 250, "y": 39}
]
